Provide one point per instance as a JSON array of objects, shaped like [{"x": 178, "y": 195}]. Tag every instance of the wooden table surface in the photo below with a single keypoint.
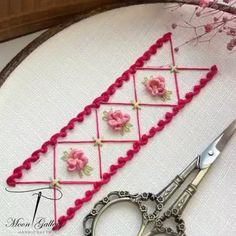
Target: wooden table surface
[{"x": 20, "y": 17}]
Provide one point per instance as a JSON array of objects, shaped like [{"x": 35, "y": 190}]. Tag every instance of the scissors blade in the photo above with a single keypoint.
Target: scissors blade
[{"x": 210, "y": 154}]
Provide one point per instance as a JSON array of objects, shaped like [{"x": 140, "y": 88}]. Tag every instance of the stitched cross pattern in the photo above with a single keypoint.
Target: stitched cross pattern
[{"x": 95, "y": 138}]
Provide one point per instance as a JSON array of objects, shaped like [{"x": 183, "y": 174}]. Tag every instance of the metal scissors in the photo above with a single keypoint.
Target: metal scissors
[{"x": 201, "y": 163}]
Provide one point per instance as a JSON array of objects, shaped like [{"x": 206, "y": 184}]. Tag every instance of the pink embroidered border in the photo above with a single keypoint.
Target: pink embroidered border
[{"x": 103, "y": 99}]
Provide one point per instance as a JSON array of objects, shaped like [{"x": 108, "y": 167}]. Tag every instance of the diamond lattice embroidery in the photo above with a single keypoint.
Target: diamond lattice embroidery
[{"x": 100, "y": 143}]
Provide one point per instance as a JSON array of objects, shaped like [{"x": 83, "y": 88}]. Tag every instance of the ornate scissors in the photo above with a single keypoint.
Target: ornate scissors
[{"x": 202, "y": 163}]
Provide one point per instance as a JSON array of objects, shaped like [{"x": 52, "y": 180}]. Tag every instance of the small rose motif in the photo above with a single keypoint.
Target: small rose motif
[
  {"x": 87, "y": 231},
  {"x": 77, "y": 162},
  {"x": 156, "y": 87},
  {"x": 158, "y": 223},
  {"x": 118, "y": 121},
  {"x": 181, "y": 227}
]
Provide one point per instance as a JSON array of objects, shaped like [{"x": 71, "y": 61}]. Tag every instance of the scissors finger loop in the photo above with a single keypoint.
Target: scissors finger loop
[
  {"x": 139, "y": 200},
  {"x": 160, "y": 228}
]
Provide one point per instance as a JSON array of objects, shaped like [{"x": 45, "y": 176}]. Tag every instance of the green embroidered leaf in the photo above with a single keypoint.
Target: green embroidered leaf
[
  {"x": 105, "y": 114},
  {"x": 163, "y": 98},
  {"x": 64, "y": 157},
  {"x": 126, "y": 129},
  {"x": 88, "y": 167},
  {"x": 80, "y": 174},
  {"x": 122, "y": 132},
  {"x": 86, "y": 172},
  {"x": 145, "y": 81}
]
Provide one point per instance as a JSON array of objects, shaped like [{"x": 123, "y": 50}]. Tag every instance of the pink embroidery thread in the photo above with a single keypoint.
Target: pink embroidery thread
[
  {"x": 117, "y": 120},
  {"x": 137, "y": 144}
]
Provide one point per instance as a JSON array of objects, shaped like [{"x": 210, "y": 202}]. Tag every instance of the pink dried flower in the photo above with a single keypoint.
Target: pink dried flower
[
  {"x": 198, "y": 13},
  {"x": 174, "y": 26},
  {"x": 225, "y": 19},
  {"x": 208, "y": 28},
  {"x": 204, "y": 3},
  {"x": 232, "y": 32},
  {"x": 222, "y": 23},
  {"x": 176, "y": 49},
  {"x": 230, "y": 46},
  {"x": 234, "y": 41}
]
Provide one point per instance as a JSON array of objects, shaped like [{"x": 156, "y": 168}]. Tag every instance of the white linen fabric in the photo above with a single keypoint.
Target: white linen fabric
[{"x": 68, "y": 71}]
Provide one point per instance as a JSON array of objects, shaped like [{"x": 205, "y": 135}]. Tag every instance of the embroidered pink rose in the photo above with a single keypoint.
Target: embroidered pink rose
[
  {"x": 156, "y": 87},
  {"x": 117, "y": 120},
  {"x": 77, "y": 162}
]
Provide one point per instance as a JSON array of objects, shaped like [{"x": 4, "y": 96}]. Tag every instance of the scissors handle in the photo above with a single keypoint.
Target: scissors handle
[
  {"x": 139, "y": 200},
  {"x": 176, "y": 210},
  {"x": 179, "y": 205},
  {"x": 165, "y": 194},
  {"x": 90, "y": 221},
  {"x": 181, "y": 202}
]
